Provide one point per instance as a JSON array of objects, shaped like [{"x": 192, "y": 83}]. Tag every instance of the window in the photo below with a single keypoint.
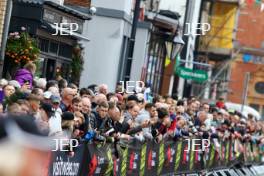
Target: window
[
  {"x": 44, "y": 45},
  {"x": 65, "y": 51},
  {"x": 53, "y": 48},
  {"x": 259, "y": 87}
]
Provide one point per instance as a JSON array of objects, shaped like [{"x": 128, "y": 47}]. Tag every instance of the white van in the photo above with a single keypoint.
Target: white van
[{"x": 247, "y": 110}]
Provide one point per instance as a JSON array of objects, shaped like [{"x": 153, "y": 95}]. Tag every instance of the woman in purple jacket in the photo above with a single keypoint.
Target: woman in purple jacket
[{"x": 25, "y": 75}]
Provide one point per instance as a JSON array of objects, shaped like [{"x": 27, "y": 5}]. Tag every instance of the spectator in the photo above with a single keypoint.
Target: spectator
[
  {"x": 99, "y": 117},
  {"x": 24, "y": 105},
  {"x": 146, "y": 114},
  {"x": 67, "y": 124},
  {"x": 55, "y": 102},
  {"x": 206, "y": 107},
  {"x": 97, "y": 100},
  {"x": 46, "y": 97},
  {"x": 8, "y": 90},
  {"x": 103, "y": 89},
  {"x": 220, "y": 103},
  {"x": 168, "y": 100},
  {"x": 14, "y": 108},
  {"x": 3, "y": 83},
  {"x": 38, "y": 92},
  {"x": 54, "y": 90},
  {"x": 132, "y": 113},
  {"x": 200, "y": 119},
  {"x": 84, "y": 92},
  {"x": 25, "y": 76},
  {"x": 78, "y": 123},
  {"x": 62, "y": 84},
  {"x": 34, "y": 102},
  {"x": 86, "y": 110},
  {"x": 94, "y": 88},
  {"x": 74, "y": 88},
  {"x": 112, "y": 97},
  {"x": 132, "y": 99},
  {"x": 41, "y": 83},
  {"x": 160, "y": 128},
  {"x": 51, "y": 83},
  {"x": 76, "y": 104},
  {"x": 15, "y": 84}
]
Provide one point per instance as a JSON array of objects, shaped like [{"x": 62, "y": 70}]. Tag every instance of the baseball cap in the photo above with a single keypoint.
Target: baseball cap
[
  {"x": 47, "y": 94},
  {"x": 55, "y": 99}
]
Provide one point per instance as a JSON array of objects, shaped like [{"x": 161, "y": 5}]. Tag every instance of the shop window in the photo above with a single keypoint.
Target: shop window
[
  {"x": 54, "y": 47},
  {"x": 65, "y": 51},
  {"x": 40, "y": 70},
  {"x": 65, "y": 71},
  {"x": 44, "y": 45}
]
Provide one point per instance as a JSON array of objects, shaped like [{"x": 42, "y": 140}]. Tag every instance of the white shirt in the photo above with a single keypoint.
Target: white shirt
[{"x": 55, "y": 123}]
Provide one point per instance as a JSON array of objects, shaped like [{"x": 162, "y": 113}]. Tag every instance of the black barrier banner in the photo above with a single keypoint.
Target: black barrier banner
[
  {"x": 99, "y": 160},
  {"x": 139, "y": 159},
  {"x": 152, "y": 158},
  {"x": 64, "y": 165},
  {"x": 170, "y": 149}
]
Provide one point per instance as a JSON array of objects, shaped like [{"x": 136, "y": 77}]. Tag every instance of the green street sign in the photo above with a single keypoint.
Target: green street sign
[{"x": 196, "y": 75}]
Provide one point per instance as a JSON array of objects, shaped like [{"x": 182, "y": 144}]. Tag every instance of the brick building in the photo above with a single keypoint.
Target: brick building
[{"x": 250, "y": 38}]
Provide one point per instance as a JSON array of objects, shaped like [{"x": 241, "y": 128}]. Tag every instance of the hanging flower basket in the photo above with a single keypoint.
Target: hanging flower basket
[{"x": 21, "y": 48}]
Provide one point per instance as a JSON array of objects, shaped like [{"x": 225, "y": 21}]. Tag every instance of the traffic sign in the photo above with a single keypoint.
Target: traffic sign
[{"x": 196, "y": 75}]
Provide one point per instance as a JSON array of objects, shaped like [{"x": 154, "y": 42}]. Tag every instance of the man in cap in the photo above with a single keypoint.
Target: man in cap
[{"x": 46, "y": 97}]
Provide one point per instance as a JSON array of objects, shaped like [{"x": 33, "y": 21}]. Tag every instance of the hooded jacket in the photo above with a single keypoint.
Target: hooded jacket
[{"x": 23, "y": 75}]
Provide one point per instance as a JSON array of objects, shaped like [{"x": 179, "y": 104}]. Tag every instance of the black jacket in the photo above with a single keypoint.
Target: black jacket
[
  {"x": 101, "y": 124},
  {"x": 124, "y": 128}
]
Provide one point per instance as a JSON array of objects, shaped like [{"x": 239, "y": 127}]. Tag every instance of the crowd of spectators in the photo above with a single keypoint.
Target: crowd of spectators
[{"x": 92, "y": 113}]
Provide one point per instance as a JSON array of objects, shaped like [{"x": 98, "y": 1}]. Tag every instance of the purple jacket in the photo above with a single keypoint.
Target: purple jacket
[{"x": 23, "y": 75}]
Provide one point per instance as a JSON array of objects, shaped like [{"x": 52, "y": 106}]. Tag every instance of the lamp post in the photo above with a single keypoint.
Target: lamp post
[{"x": 178, "y": 44}]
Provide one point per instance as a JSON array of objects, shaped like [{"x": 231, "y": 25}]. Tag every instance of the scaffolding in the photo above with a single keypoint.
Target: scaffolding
[{"x": 204, "y": 90}]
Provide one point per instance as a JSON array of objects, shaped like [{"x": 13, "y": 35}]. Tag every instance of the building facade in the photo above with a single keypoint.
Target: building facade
[
  {"x": 106, "y": 52},
  {"x": 217, "y": 47},
  {"x": 250, "y": 39},
  {"x": 43, "y": 20}
]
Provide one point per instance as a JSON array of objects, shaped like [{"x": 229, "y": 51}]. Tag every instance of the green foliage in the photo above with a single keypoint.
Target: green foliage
[
  {"x": 77, "y": 64},
  {"x": 21, "y": 48}
]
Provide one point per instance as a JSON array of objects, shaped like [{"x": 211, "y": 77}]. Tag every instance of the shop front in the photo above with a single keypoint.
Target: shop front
[{"x": 57, "y": 29}]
